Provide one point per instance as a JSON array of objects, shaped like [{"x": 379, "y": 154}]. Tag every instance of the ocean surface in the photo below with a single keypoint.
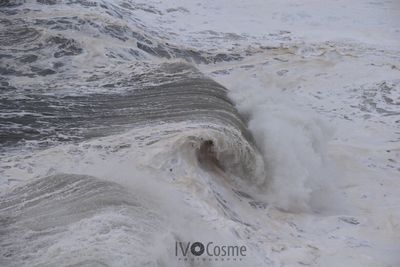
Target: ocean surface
[{"x": 129, "y": 127}]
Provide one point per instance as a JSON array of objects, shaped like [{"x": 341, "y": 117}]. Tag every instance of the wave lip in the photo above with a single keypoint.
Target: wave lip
[{"x": 219, "y": 149}]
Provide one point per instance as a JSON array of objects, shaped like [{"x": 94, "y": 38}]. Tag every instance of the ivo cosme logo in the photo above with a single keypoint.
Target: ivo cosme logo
[{"x": 210, "y": 251}]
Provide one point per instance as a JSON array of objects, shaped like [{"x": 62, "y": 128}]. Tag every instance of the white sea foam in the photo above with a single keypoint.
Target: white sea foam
[{"x": 320, "y": 100}]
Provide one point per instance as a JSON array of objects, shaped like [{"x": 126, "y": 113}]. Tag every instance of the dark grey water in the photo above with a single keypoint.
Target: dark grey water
[
  {"x": 171, "y": 92},
  {"x": 38, "y": 215},
  {"x": 59, "y": 82}
]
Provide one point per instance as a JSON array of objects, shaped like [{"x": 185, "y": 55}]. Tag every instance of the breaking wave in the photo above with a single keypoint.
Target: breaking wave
[{"x": 107, "y": 128}]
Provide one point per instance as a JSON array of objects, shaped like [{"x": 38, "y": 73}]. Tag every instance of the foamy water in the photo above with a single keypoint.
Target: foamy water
[{"x": 129, "y": 126}]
